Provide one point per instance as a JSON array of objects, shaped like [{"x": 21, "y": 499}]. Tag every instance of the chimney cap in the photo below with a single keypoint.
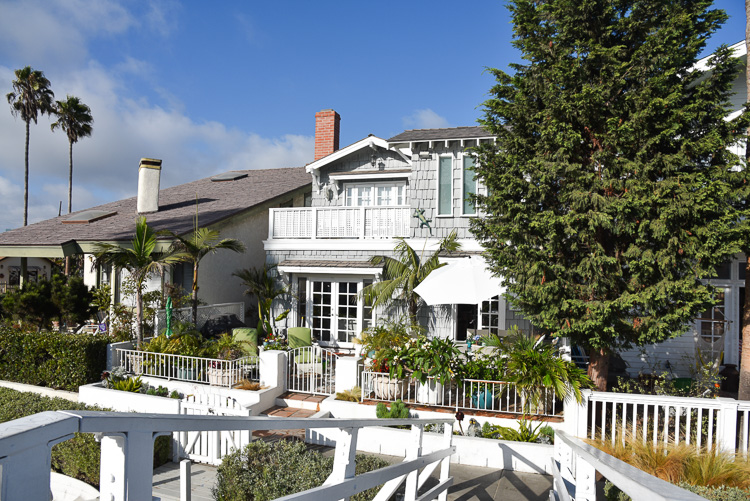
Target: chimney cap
[{"x": 152, "y": 163}]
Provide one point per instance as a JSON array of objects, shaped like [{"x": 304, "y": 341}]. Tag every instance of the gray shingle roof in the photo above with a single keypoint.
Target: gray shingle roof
[
  {"x": 216, "y": 202},
  {"x": 438, "y": 134}
]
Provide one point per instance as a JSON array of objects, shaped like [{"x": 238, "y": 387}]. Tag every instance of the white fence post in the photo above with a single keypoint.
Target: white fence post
[
  {"x": 413, "y": 452},
  {"x": 445, "y": 463},
  {"x": 344, "y": 456},
  {"x": 585, "y": 480},
  {"x": 727, "y": 429},
  {"x": 272, "y": 368},
  {"x": 185, "y": 487},
  {"x": 126, "y": 470},
  {"x": 576, "y": 415},
  {"x": 347, "y": 373}
]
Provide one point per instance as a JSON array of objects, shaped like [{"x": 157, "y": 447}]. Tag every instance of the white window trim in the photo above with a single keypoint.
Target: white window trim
[
  {"x": 374, "y": 186},
  {"x": 437, "y": 185},
  {"x": 479, "y": 187}
]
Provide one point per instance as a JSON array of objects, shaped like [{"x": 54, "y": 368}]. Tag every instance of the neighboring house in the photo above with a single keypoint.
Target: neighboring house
[
  {"x": 10, "y": 271},
  {"x": 364, "y": 196},
  {"x": 235, "y": 203}
]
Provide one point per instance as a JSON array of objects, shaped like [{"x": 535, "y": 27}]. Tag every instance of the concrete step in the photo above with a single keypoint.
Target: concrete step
[{"x": 300, "y": 401}]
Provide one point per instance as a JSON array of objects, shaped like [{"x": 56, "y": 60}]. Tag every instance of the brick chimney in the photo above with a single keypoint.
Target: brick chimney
[
  {"x": 149, "y": 173},
  {"x": 326, "y": 133}
]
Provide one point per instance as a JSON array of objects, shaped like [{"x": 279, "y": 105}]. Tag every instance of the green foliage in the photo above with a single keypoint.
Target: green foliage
[
  {"x": 140, "y": 260},
  {"x": 32, "y": 303},
  {"x": 261, "y": 283},
  {"x": 404, "y": 272},
  {"x": 131, "y": 384},
  {"x": 78, "y": 457},
  {"x": 54, "y": 359},
  {"x": 422, "y": 358},
  {"x": 264, "y": 471},
  {"x": 398, "y": 410},
  {"x": 73, "y": 299},
  {"x": 534, "y": 366},
  {"x": 525, "y": 432},
  {"x": 160, "y": 391},
  {"x": 611, "y": 179},
  {"x": 74, "y": 118},
  {"x": 175, "y": 394},
  {"x": 481, "y": 367},
  {"x": 353, "y": 395}
]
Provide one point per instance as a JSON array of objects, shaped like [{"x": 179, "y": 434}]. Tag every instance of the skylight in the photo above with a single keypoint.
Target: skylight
[
  {"x": 232, "y": 175},
  {"x": 88, "y": 216}
]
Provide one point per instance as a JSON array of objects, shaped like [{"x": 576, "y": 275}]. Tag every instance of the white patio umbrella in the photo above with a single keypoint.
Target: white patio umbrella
[{"x": 466, "y": 281}]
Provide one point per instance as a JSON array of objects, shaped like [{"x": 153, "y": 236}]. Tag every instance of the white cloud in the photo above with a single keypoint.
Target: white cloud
[
  {"x": 125, "y": 127},
  {"x": 424, "y": 119}
]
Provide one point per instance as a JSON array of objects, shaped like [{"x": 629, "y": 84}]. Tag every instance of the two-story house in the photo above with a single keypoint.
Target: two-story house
[{"x": 364, "y": 196}]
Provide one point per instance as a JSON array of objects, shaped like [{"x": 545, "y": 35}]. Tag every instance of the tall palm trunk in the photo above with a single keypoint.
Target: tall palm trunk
[
  {"x": 70, "y": 178},
  {"x": 26, "y": 179}
]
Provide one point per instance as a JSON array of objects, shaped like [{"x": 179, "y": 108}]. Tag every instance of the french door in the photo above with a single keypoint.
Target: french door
[{"x": 336, "y": 314}]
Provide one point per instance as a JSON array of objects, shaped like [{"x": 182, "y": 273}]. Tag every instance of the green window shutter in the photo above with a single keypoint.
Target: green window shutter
[{"x": 445, "y": 175}]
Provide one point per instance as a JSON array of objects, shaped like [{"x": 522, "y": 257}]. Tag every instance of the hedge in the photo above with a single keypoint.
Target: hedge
[
  {"x": 54, "y": 359},
  {"x": 78, "y": 457},
  {"x": 264, "y": 471}
]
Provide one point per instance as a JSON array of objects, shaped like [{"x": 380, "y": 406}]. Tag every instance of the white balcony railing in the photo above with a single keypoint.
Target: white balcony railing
[{"x": 339, "y": 222}]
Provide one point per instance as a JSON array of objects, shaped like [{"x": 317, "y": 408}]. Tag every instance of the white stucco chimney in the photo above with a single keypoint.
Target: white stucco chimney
[{"x": 149, "y": 172}]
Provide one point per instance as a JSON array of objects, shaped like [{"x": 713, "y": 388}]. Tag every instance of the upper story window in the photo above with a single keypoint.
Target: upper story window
[
  {"x": 469, "y": 185},
  {"x": 445, "y": 186},
  {"x": 387, "y": 193}
]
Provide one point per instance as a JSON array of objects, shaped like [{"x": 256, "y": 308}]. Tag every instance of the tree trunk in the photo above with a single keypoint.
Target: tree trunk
[
  {"x": 195, "y": 294},
  {"x": 599, "y": 368},
  {"x": 139, "y": 315},
  {"x": 70, "y": 178},
  {"x": 744, "y": 390},
  {"x": 26, "y": 180}
]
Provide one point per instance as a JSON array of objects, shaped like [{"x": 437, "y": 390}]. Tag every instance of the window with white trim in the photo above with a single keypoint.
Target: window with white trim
[
  {"x": 469, "y": 185},
  {"x": 445, "y": 186},
  {"x": 378, "y": 194}
]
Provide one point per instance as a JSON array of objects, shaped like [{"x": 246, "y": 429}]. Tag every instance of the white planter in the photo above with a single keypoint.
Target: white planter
[
  {"x": 430, "y": 393},
  {"x": 386, "y": 388},
  {"x": 220, "y": 377}
]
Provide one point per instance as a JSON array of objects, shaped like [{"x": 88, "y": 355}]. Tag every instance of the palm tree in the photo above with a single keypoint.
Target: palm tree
[
  {"x": 404, "y": 273},
  {"x": 140, "y": 260},
  {"x": 75, "y": 119},
  {"x": 31, "y": 96},
  {"x": 196, "y": 246},
  {"x": 261, "y": 284}
]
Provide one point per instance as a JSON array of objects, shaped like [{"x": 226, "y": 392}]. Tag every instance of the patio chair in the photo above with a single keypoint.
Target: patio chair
[
  {"x": 248, "y": 337},
  {"x": 299, "y": 337}
]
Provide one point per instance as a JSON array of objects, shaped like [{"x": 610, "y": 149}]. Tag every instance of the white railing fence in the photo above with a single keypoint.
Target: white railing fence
[
  {"x": 470, "y": 394},
  {"x": 575, "y": 464},
  {"x": 339, "y": 222},
  {"x": 311, "y": 369},
  {"x": 204, "y": 313},
  {"x": 126, "y": 467},
  {"x": 192, "y": 369},
  {"x": 720, "y": 422}
]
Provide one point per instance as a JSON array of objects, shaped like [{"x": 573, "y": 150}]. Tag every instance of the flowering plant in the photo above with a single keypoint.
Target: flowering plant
[
  {"x": 423, "y": 358},
  {"x": 274, "y": 341}
]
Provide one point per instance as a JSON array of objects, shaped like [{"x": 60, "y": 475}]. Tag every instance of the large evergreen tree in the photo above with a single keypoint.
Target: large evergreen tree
[{"x": 610, "y": 182}]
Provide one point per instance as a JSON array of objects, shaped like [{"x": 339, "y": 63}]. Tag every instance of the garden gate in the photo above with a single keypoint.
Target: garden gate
[
  {"x": 210, "y": 446},
  {"x": 311, "y": 369}
]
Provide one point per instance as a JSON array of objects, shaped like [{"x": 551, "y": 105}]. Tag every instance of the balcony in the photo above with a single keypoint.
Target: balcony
[{"x": 339, "y": 222}]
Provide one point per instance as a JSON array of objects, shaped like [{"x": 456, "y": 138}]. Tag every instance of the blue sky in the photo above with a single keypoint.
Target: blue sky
[{"x": 215, "y": 86}]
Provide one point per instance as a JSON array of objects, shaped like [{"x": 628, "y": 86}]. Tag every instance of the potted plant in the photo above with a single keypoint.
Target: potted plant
[
  {"x": 226, "y": 349},
  {"x": 380, "y": 346},
  {"x": 386, "y": 386},
  {"x": 476, "y": 369},
  {"x": 432, "y": 362}
]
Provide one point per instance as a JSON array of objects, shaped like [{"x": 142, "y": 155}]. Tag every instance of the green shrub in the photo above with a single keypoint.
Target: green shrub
[
  {"x": 264, "y": 471},
  {"x": 78, "y": 457},
  {"x": 398, "y": 410},
  {"x": 53, "y": 359},
  {"x": 131, "y": 384},
  {"x": 722, "y": 493},
  {"x": 353, "y": 395}
]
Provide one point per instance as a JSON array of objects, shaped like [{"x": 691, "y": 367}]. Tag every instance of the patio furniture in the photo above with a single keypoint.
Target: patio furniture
[
  {"x": 248, "y": 337},
  {"x": 299, "y": 337}
]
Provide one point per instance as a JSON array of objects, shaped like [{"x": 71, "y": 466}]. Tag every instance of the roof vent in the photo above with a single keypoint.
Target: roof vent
[{"x": 232, "y": 175}]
